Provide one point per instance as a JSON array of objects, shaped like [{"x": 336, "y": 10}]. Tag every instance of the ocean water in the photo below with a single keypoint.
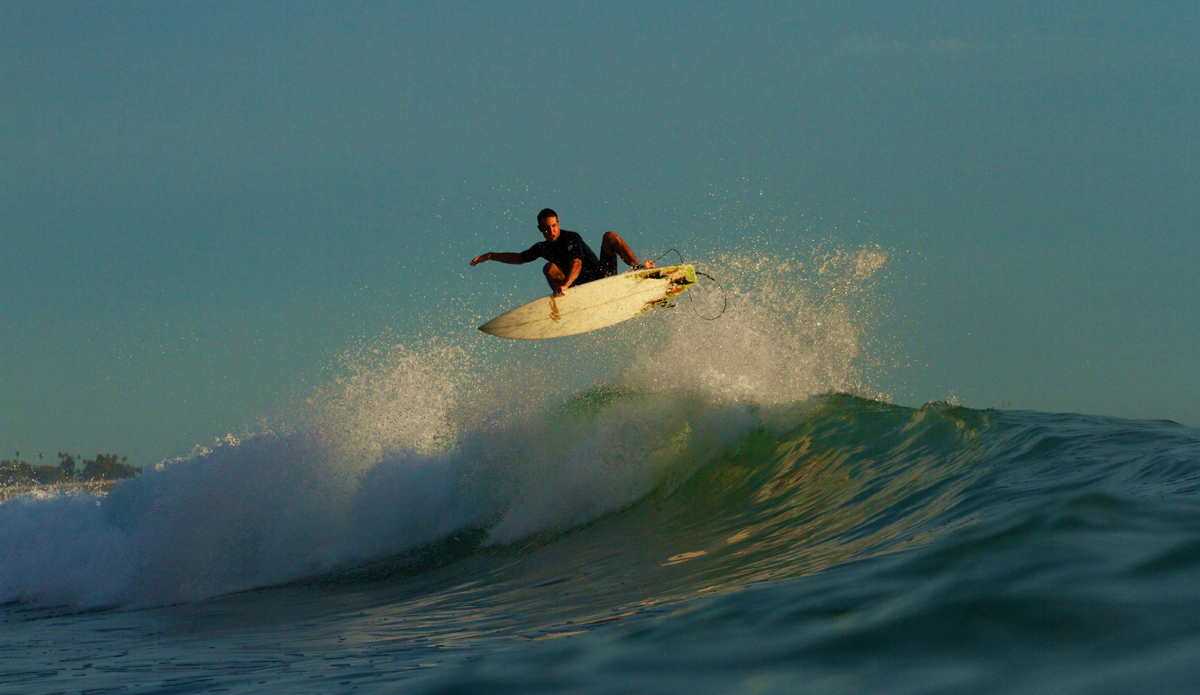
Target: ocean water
[{"x": 726, "y": 507}]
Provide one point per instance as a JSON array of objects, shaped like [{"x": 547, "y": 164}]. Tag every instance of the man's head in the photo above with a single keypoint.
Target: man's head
[{"x": 548, "y": 224}]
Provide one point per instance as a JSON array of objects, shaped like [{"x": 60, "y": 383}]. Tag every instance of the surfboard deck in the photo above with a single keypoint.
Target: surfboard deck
[{"x": 593, "y": 305}]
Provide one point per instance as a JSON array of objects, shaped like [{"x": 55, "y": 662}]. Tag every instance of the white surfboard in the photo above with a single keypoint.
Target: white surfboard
[{"x": 593, "y": 305}]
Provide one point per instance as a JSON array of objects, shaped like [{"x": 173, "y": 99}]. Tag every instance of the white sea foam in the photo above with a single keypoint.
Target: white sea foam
[{"x": 408, "y": 444}]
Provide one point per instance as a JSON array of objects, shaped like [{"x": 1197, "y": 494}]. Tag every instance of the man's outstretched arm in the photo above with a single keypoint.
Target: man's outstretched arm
[{"x": 503, "y": 257}]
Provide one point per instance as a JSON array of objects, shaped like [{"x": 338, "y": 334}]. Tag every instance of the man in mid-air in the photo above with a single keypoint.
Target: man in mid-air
[{"x": 569, "y": 261}]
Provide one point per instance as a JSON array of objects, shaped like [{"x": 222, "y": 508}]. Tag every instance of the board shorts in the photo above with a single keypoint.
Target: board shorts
[{"x": 606, "y": 268}]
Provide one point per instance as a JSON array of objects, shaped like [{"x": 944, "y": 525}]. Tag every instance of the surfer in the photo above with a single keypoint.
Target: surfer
[{"x": 569, "y": 261}]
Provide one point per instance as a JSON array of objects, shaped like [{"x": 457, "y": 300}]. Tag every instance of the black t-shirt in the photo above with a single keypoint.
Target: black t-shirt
[{"x": 567, "y": 247}]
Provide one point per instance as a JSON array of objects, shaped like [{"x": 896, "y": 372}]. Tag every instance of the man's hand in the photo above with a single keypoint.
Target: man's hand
[
  {"x": 480, "y": 259},
  {"x": 649, "y": 264},
  {"x": 558, "y": 292}
]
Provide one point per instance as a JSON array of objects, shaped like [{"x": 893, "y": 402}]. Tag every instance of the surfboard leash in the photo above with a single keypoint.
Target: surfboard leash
[
  {"x": 724, "y": 299},
  {"x": 724, "y": 296},
  {"x": 679, "y": 255}
]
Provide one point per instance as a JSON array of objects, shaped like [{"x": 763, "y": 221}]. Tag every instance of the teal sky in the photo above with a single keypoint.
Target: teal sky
[{"x": 202, "y": 204}]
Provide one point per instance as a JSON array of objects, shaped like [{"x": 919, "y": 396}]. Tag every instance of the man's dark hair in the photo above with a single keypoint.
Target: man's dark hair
[{"x": 546, "y": 212}]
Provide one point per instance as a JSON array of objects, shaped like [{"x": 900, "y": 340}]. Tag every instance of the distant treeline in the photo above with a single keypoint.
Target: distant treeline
[{"x": 70, "y": 468}]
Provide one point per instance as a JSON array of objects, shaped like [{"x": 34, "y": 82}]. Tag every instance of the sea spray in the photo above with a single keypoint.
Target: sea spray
[
  {"x": 793, "y": 329},
  {"x": 411, "y": 442}
]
